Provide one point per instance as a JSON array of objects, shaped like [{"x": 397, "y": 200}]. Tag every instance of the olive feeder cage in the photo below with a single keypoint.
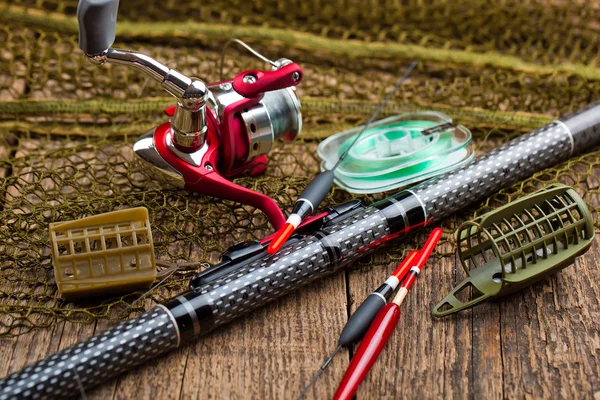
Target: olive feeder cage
[
  {"x": 104, "y": 254},
  {"x": 518, "y": 244}
]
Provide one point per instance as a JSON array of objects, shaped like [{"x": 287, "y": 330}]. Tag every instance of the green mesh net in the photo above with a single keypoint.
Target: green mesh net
[{"x": 67, "y": 126}]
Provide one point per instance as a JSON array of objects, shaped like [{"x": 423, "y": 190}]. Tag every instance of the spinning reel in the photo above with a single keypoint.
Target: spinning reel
[{"x": 216, "y": 131}]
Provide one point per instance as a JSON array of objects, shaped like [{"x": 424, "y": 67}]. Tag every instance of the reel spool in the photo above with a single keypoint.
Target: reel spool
[{"x": 518, "y": 244}]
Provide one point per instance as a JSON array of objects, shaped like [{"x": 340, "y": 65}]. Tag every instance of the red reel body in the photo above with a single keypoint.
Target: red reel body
[{"x": 229, "y": 148}]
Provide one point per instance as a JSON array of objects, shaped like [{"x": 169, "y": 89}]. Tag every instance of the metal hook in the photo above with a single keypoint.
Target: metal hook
[{"x": 244, "y": 45}]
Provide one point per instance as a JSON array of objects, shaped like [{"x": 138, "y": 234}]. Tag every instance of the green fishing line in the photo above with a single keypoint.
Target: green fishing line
[{"x": 397, "y": 151}]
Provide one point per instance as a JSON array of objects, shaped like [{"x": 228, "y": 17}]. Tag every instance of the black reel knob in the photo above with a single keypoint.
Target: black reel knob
[{"x": 97, "y": 25}]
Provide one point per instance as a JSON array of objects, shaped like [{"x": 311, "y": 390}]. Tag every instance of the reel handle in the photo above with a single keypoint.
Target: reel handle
[{"x": 97, "y": 25}]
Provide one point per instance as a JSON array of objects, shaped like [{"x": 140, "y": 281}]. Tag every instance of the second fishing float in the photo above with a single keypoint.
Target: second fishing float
[
  {"x": 361, "y": 320},
  {"x": 381, "y": 329}
]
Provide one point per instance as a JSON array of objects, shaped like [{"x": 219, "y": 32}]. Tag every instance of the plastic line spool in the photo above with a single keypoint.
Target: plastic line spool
[
  {"x": 103, "y": 254},
  {"x": 397, "y": 151},
  {"x": 518, "y": 244}
]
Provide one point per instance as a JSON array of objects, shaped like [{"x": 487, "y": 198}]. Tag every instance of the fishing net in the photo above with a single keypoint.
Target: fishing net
[{"x": 67, "y": 126}]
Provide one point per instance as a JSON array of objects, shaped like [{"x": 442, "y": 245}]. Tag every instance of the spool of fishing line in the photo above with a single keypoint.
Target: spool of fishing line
[{"x": 397, "y": 151}]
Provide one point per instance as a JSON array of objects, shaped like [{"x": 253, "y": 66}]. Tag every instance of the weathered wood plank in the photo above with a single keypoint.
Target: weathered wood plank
[
  {"x": 540, "y": 342},
  {"x": 486, "y": 352},
  {"x": 41, "y": 343},
  {"x": 160, "y": 379},
  {"x": 23, "y": 350}
]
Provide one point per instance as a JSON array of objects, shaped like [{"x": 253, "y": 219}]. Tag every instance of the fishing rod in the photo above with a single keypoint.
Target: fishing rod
[
  {"x": 317, "y": 189},
  {"x": 248, "y": 277}
]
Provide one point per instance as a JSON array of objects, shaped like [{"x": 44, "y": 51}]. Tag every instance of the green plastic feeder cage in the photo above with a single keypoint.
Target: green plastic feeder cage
[{"x": 519, "y": 244}]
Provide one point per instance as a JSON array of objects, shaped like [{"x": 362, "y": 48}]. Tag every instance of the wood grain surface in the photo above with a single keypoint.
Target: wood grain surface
[{"x": 542, "y": 342}]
